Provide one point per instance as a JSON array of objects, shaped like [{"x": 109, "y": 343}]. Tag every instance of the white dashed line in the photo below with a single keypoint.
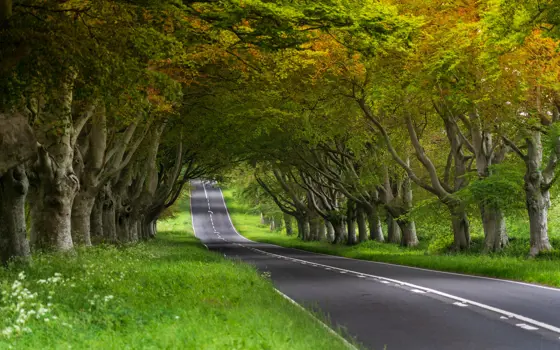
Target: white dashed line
[
  {"x": 418, "y": 291},
  {"x": 460, "y": 304},
  {"x": 526, "y": 326}
]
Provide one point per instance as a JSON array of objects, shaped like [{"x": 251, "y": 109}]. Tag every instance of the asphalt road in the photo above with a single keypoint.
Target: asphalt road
[{"x": 383, "y": 305}]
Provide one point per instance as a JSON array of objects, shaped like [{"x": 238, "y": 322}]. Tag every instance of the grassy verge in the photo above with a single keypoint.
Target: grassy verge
[
  {"x": 169, "y": 293},
  {"x": 511, "y": 264}
]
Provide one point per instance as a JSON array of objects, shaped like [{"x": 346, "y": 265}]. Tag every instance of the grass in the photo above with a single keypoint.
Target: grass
[
  {"x": 169, "y": 293},
  {"x": 510, "y": 264}
]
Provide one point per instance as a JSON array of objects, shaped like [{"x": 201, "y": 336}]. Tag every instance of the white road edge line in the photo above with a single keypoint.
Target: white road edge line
[
  {"x": 433, "y": 291},
  {"x": 323, "y": 324}
]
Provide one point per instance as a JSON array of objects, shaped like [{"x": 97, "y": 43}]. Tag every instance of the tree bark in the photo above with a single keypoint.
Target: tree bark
[
  {"x": 96, "y": 221},
  {"x": 460, "y": 226},
  {"x": 81, "y": 218},
  {"x": 109, "y": 215},
  {"x": 303, "y": 227},
  {"x": 375, "y": 228},
  {"x": 408, "y": 229},
  {"x": 13, "y": 236},
  {"x": 288, "y": 223},
  {"x": 54, "y": 182},
  {"x": 51, "y": 211},
  {"x": 330, "y": 231},
  {"x": 362, "y": 226},
  {"x": 537, "y": 195},
  {"x": 339, "y": 228},
  {"x": 351, "y": 223},
  {"x": 393, "y": 230},
  {"x": 493, "y": 219},
  {"x": 493, "y": 222}
]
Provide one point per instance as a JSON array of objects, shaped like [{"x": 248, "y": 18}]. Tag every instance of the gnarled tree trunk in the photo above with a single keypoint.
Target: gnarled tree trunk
[
  {"x": 393, "y": 230},
  {"x": 81, "y": 218},
  {"x": 288, "y": 224},
  {"x": 109, "y": 215},
  {"x": 537, "y": 195},
  {"x": 96, "y": 221},
  {"x": 13, "y": 236},
  {"x": 54, "y": 183},
  {"x": 330, "y": 231},
  {"x": 375, "y": 228},
  {"x": 351, "y": 223},
  {"x": 362, "y": 226},
  {"x": 460, "y": 225},
  {"x": 303, "y": 227},
  {"x": 493, "y": 222}
]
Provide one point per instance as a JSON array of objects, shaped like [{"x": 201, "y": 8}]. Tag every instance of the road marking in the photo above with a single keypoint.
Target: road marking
[
  {"x": 503, "y": 318},
  {"x": 386, "y": 282},
  {"x": 460, "y": 300},
  {"x": 460, "y": 304},
  {"x": 418, "y": 291},
  {"x": 526, "y": 326},
  {"x": 323, "y": 324}
]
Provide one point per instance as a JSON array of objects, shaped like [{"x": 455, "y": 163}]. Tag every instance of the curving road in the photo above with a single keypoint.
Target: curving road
[{"x": 383, "y": 305}]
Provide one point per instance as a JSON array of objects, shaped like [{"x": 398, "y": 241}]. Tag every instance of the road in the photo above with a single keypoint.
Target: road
[{"x": 383, "y": 305}]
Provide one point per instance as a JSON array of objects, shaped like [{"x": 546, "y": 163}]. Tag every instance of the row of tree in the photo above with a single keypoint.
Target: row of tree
[
  {"x": 107, "y": 108},
  {"x": 460, "y": 103}
]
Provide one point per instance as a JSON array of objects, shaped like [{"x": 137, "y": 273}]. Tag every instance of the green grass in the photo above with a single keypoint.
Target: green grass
[
  {"x": 169, "y": 293},
  {"x": 511, "y": 264}
]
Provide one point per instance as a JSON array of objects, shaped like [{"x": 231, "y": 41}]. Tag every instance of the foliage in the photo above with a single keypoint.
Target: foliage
[
  {"x": 170, "y": 292},
  {"x": 432, "y": 253}
]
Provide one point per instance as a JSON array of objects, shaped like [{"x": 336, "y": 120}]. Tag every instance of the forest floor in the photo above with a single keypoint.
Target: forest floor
[
  {"x": 169, "y": 293},
  {"x": 511, "y": 264}
]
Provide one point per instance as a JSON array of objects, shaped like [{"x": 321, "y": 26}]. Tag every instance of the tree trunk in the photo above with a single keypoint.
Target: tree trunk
[
  {"x": 13, "y": 236},
  {"x": 81, "y": 218},
  {"x": 537, "y": 196},
  {"x": 362, "y": 226},
  {"x": 51, "y": 210},
  {"x": 393, "y": 230},
  {"x": 54, "y": 182},
  {"x": 339, "y": 228},
  {"x": 408, "y": 229},
  {"x": 313, "y": 229},
  {"x": 288, "y": 222},
  {"x": 538, "y": 202},
  {"x": 272, "y": 224},
  {"x": 330, "y": 231},
  {"x": 123, "y": 223},
  {"x": 150, "y": 230},
  {"x": 493, "y": 222},
  {"x": 263, "y": 219},
  {"x": 96, "y": 221},
  {"x": 109, "y": 216},
  {"x": 321, "y": 230},
  {"x": 133, "y": 233},
  {"x": 351, "y": 223},
  {"x": 460, "y": 226},
  {"x": 375, "y": 229},
  {"x": 303, "y": 227}
]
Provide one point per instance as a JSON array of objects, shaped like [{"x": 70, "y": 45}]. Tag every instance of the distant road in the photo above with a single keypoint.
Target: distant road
[{"x": 389, "y": 305}]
